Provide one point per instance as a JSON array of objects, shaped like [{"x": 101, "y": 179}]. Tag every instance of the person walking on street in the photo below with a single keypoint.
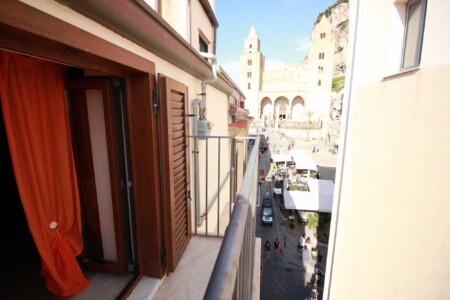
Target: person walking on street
[
  {"x": 306, "y": 253},
  {"x": 268, "y": 192},
  {"x": 267, "y": 249},
  {"x": 301, "y": 244},
  {"x": 276, "y": 246}
]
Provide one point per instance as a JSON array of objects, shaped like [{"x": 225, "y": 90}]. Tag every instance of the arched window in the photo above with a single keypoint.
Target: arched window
[
  {"x": 319, "y": 83},
  {"x": 249, "y": 86}
]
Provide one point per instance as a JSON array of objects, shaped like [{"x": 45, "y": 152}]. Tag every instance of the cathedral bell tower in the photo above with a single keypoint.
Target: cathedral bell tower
[{"x": 251, "y": 72}]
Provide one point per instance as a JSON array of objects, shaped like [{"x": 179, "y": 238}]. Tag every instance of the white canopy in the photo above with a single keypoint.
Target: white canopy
[
  {"x": 320, "y": 197},
  {"x": 281, "y": 158},
  {"x": 303, "y": 161}
]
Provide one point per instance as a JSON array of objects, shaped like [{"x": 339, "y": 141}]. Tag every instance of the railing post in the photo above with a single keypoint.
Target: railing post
[{"x": 218, "y": 187}]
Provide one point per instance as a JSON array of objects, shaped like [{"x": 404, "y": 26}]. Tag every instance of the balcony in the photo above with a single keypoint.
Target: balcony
[{"x": 219, "y": 261}]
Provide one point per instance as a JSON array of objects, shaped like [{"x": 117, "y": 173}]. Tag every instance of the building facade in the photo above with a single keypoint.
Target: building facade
[
  {"x": 116, "y": 122},
  {"x": 294, "y": 93},
  {"x": 389, "y": 233}
]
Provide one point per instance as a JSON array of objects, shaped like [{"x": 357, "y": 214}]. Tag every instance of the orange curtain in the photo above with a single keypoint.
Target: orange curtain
[{"x": 36, "y": 119}]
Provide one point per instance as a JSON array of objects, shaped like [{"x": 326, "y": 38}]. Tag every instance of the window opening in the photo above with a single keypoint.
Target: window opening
[
  {"x": 203, "y": 45},
  {"x": 415, "y": 23}
]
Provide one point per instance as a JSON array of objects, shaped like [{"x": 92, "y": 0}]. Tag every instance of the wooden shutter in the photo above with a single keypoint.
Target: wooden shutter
[{"x": 175, "y": 159}]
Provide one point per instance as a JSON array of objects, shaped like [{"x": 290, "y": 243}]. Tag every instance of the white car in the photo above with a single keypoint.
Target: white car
[{"x": 278, "y": 188}]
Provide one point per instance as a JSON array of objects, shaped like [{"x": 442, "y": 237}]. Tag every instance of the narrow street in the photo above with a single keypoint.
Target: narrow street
[{"x": 287, "y": 275}]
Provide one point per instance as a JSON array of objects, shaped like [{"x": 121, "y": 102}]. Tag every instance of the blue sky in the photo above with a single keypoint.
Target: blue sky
[{"x": 283, "y": 27}]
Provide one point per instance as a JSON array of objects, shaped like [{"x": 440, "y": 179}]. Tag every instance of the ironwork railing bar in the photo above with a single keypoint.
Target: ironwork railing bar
[
  {"x": 206, "y": 189},
  {"x": 218, "y": 187},
  {"x": 223, "y": 137},
  {"x": 196, "y": 178},
  {"x": 232, "y": 179}
]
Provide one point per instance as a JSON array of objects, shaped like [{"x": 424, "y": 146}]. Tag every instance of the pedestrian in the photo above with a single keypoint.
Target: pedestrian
[
  {"x": 301, "y": 244},
  {"x": 267, "y": 249},
  {"x": 276, "y": 246},
  {"x": 268, "y": 192},
  {"x": 314, "y": 293},
  {"x": 318, "y": 172},
  {"x": 308, "y": 241},
  {"x": 306, "y": 252}
]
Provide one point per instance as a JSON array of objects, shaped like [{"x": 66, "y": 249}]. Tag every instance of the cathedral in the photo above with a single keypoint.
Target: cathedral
[{"x": 294, "y": 94}]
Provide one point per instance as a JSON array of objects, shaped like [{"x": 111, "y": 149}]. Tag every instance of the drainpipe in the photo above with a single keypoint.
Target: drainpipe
[
  {"x": 201, "y": 129},
  {"x": 213, "y": 79},
  {"x": 195, "y": 108}
]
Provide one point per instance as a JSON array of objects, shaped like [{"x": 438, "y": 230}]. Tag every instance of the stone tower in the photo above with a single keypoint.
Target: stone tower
[
  {"x": 320, "y": 63},
  {"x": 251, "y": 72}
]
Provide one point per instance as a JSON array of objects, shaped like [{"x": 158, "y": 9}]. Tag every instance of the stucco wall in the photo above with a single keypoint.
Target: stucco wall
[
  {"x": 176, "y": 13},
  {"x": 392, "y": 229},
  {"x": 200, "y": 22}
]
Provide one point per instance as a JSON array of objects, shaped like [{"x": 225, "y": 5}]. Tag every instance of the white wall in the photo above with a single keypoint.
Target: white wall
[
  {"x": 200, "y": 23},
  {"x": 393, "y": 219},
  {"x": 176, "y": 13}
]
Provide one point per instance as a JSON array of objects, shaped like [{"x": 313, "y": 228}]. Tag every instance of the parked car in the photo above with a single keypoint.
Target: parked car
[
  {"x": 267, "y": 213},
  {"x": 277, "y": 189}
]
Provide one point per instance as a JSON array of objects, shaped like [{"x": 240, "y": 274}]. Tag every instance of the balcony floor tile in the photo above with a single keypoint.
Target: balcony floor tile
[{"x": 190, "y": 279}]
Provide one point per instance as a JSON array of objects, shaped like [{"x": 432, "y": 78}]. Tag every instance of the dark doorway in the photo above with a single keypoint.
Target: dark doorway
[
  {"x": 21, "y": 266},
  {"x": 20, "y": 259}
]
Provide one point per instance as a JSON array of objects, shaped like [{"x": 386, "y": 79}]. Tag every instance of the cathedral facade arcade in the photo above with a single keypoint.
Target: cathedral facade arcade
[{"x": 294, "y": 93}]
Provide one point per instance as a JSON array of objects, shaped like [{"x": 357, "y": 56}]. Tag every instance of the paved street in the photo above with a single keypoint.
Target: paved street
[{"x": 287, "y": 275}]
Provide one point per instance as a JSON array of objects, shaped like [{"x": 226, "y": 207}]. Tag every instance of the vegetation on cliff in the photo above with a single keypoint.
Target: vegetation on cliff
[{"x": 327, "y": 12}]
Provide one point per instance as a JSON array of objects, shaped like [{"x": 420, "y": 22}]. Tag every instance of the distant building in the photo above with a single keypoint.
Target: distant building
[{"x": 295, "y": 93}]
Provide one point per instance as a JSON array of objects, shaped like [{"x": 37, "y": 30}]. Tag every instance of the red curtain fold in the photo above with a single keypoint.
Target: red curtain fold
[{"x": 37, "y": 125}]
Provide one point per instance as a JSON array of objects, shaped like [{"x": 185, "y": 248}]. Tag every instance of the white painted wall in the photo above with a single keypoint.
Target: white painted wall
[
  {"x": 393, "y": 220},
  {"x": 200, "y": 23},
  {"x": 176, "y": 13}
]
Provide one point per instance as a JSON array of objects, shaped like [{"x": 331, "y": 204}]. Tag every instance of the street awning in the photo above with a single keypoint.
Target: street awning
[
  {"x": 320, "y": 197},
  {"x": 303, "y": 161},
  {"x": 281, "y": 158}
]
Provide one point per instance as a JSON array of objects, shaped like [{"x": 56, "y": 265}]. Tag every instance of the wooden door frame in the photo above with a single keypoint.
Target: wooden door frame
[
  {"x": 105, "y": 85},
  {"x": 29, "y": 31}
]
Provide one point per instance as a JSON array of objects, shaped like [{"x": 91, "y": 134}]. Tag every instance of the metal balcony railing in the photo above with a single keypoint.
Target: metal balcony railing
[
  {"x": 220, "y": 163},
  {"x": 232, "y": 276}
]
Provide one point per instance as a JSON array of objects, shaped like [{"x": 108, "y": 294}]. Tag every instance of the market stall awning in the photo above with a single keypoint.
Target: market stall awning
[
  {"x": 281, "y": 158},
  {"x": 303, "y": 161},
  {"x": 320, "y": 197}
]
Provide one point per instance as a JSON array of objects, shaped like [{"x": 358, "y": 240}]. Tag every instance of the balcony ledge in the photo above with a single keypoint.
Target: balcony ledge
[{"x": 191, "y": 277}]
